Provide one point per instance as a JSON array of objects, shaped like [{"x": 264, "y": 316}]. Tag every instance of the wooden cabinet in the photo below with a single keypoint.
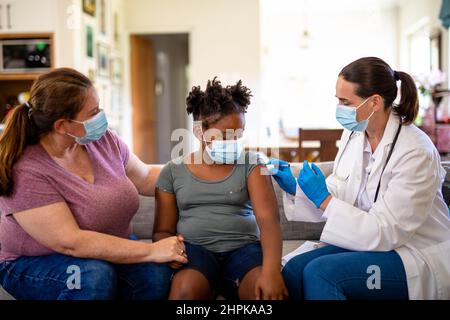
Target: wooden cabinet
[
  {"x": 12, "y": 84},
  {"x": 27, "y": 16}
]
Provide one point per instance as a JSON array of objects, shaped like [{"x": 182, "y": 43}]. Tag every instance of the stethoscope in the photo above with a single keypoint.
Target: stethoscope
[{"x": 387, "y": 159}]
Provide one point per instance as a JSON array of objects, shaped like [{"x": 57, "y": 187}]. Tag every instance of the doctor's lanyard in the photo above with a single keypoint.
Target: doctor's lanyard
[{"x": 387, "y": 159}]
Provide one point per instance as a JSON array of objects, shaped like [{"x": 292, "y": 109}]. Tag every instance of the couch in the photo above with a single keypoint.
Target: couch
[{"x": 294, "y": 233}]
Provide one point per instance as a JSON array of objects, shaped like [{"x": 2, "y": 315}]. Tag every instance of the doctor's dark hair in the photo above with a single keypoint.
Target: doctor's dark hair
[
  {"x": 58, "y": 94},
  {"x": 217, "y": 101},
  {"x": 374, "y": 76}
]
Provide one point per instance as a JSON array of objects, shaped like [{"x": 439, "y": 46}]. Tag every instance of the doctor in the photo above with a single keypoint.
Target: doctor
[{"x": 387, "y": 227}]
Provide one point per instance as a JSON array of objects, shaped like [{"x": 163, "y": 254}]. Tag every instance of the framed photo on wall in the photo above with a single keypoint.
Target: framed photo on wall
[
  {"x": 115, "y": 29},
  {"x": 116, "y": 70},
  {"x": 89, "y": 7},
  {"x": 89, "y": 42},
  {"x": 103, "y": 63},
  {"x": 103, "y": 17}
]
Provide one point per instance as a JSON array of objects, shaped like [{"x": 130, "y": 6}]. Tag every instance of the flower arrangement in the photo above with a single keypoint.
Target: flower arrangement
[{"x": 427, "y": 84}]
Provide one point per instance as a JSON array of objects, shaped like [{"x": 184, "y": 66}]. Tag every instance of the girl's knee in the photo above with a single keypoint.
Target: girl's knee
[{"x": 190, "y": 285}]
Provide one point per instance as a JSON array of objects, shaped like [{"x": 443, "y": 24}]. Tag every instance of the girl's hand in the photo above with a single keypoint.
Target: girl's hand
[
  {"x": 170, "y": 250},
  {"x": 270, "y": 286}
]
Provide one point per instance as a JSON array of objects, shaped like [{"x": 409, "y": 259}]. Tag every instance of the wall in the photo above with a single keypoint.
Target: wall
[
  {"x": 223, "y": 39},
  {"x": 414, "y": 14},
  {"x": 71, "y": 51},
  {"x": 298, "y": 82}
]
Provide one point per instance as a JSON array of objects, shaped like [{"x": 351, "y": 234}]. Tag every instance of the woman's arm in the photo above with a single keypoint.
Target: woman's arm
[
  {"x": 265, "y": 207},
  {"x": 142, "y": 175},
  {"x": 54, "y": 227}
]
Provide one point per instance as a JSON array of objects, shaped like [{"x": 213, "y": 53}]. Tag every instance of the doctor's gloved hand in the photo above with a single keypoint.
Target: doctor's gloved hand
[
  {"x": 281, "y": 172},
  {"x": 312, "y": 182}
]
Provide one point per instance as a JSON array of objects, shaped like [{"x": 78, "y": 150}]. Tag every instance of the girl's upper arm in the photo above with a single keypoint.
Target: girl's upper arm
[
  {"x": 261, "y": 193},
  {"x": 166, "y": 214}
]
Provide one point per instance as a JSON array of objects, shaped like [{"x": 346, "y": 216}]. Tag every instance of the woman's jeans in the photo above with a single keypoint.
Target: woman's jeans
[
  {"x": 332, "y": 273},
  {"x": 60, "y": 277}
]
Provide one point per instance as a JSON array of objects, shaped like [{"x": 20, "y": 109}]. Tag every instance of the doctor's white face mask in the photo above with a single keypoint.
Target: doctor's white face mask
[{"x": 346, "y": 116}]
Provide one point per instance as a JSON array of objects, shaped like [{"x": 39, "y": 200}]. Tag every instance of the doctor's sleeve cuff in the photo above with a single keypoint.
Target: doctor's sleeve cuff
[{"x": 329, "y": 208}]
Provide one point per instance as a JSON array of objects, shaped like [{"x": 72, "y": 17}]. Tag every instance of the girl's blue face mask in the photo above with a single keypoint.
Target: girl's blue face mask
[
  {"x": 346, "y": 116},
  {"x": 95, "y": 128},
  {"x": 225, "y": 151}
]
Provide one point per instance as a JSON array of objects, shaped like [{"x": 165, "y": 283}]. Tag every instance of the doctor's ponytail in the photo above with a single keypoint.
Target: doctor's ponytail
[
  {"x": 374, "y": 76},
  {"x": 408, "y": 107}
]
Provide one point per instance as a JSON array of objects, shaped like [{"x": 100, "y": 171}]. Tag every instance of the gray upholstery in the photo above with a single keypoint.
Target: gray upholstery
[{"x": 294, "y": 233}]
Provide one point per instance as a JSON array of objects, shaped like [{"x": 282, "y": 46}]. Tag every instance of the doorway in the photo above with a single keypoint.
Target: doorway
[{"x": 159, "y": 85}]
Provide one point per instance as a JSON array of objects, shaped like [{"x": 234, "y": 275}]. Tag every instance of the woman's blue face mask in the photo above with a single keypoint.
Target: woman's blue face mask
[
  {"x": 95, "y": 128},
  {"x": 347, "y": 116}
]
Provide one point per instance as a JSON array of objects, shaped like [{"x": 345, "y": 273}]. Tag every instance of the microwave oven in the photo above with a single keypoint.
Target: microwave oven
[{"x": 25, "y": 55}]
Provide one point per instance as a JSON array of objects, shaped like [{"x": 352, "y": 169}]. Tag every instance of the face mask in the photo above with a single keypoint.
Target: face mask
[
  {"x": 225, "y": 151},
  {"x": 346, "y": 116},
  {"x": 95, "y": 128}
]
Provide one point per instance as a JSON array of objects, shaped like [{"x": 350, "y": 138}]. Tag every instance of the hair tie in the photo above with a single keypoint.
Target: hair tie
[
  {"x": 30, "y": 110},
  {"x": 396, "y": 76}
]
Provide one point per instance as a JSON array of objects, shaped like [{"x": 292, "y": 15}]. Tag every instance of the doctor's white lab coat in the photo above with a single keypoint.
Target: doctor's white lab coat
[{"x": 410, "y": 215}]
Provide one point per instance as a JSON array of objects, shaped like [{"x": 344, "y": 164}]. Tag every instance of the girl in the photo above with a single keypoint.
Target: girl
[{"x": 218, "y": 205}]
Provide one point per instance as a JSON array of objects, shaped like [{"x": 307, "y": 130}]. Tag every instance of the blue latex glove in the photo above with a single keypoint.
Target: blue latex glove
[
  {"x": 312, "y": 182},
  {"x": 282, "y": 174}
]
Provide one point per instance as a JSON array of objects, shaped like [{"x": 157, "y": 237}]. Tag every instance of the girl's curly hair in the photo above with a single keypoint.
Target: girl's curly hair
[{"x": 217, "y": 101}]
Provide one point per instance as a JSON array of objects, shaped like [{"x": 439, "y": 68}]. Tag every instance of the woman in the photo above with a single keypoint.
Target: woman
[
  {"x": 217, "y": 197},
  {"x": 387, "y": 223},
  {"x": 68, "y": 191}
]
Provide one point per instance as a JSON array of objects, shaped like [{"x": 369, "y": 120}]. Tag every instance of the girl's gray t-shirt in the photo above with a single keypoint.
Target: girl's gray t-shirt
[{"x": 216, "y": 215}]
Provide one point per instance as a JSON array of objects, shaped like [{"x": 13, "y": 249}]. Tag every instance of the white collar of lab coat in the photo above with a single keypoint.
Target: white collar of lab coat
[
  {"x": 385, "y": 143},
  {"x": 390, "y": 131}
]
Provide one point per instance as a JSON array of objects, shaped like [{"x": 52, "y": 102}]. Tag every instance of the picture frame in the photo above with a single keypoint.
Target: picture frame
[
  {"x": 103, "y": 17},
  {"x": 89, "y": 7},
  {"x": 116, "y": 35},
  {"x": 116, "y": 65},
  {"x": 89, "y": 41},
  {"x": 92, "y": 75},
  {"x": 103, "y": 61}
]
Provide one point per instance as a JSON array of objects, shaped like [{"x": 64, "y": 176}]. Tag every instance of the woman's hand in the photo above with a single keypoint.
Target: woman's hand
[
  {"x": 312, "y": 182},
  {"x": 270, "y": 286},
  {"x": 171, "y": 250}
]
